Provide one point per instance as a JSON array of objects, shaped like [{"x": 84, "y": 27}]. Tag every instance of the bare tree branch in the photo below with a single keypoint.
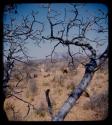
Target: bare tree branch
[
  {"x": 81, "y": 40},
  {"x": 76, "y": 93},
  {"x": 53, "y": 51},
  {"x": 29, "y": 104},
  {"x": 72, "y": 32},
  {"x": 15, "y": 37}
]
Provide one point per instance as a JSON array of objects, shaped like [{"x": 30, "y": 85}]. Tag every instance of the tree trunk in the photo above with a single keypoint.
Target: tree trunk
[
  {"x": 70, "y": 102},
  {"x": 76, "y": 93}
]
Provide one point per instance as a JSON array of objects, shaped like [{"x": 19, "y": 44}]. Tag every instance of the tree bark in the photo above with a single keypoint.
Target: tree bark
[
  {"x": 70, "y": 102},
  {"x": 76, "y": 93}
]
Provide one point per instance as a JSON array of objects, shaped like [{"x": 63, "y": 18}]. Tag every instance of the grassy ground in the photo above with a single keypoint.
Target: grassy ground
[{"x": 92, "y": 107}]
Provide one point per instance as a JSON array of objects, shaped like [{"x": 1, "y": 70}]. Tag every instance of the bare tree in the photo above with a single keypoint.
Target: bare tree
[
  {"x": 15, "y": 35},
  {"x": 80, "y": 26},
  {"x": 73, "y": 32}
]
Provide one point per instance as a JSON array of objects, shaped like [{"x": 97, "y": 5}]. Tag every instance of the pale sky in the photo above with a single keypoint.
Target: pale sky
[{"x": 45, "y": 49}]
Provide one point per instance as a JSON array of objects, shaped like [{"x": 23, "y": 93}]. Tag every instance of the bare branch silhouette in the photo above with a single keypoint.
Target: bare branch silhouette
[{"x": 82, "y": 41}]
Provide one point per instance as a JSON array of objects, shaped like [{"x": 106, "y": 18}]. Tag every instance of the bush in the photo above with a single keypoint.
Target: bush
[
  {"x": 17, "y": 77},
  {"x": 32, "y": 86},
  {"x": 99, "y": 104},
  {"x": 41, "y": 111},
  {"x": 8, "y": 106},
  {"x": 71, "y": 86},
  {"x": 11, "y": 113}
]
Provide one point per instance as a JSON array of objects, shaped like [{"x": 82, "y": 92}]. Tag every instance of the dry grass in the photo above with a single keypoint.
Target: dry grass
[
  {"x": 98, "y": 104},
  {"x": 87, "y": 108},
  {"x": 11, "y": 113}
]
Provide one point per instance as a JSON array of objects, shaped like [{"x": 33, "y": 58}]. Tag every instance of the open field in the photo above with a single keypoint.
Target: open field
[{"x": 92, "y": 105}]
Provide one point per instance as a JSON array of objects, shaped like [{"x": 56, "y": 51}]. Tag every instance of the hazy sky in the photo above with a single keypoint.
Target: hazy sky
[{"x": 45, "y": 49}]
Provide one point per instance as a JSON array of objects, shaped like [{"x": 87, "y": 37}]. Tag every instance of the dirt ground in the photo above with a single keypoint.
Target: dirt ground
[{"x": 92, "y": 105}]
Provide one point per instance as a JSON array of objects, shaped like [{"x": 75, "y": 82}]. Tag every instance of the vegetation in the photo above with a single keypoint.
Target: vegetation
[{"x": 66, "y": 77}]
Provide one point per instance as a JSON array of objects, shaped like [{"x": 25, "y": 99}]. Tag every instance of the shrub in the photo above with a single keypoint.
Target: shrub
[
  {"x": 71, "y": 86},
  {"x": 41, "y": 111},
  {"x": 98, "y": 101},
  {"x": 8, "y": 106},
  {"x": 32, "y": 86},
  {"x": 12, "y": 114},
  {"x": 17, "y": 77},
  {"x": 99, "y": 104},
  {"x": 61, "y": 81}
]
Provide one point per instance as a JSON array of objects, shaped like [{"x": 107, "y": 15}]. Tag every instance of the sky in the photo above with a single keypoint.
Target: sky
[{"x": 45, "y": 48}]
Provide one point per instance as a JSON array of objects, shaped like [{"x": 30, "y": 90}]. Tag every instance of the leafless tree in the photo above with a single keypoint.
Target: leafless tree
[
  {"x": 15, "y": 35},
  {"x": 81, "y": 26}
]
